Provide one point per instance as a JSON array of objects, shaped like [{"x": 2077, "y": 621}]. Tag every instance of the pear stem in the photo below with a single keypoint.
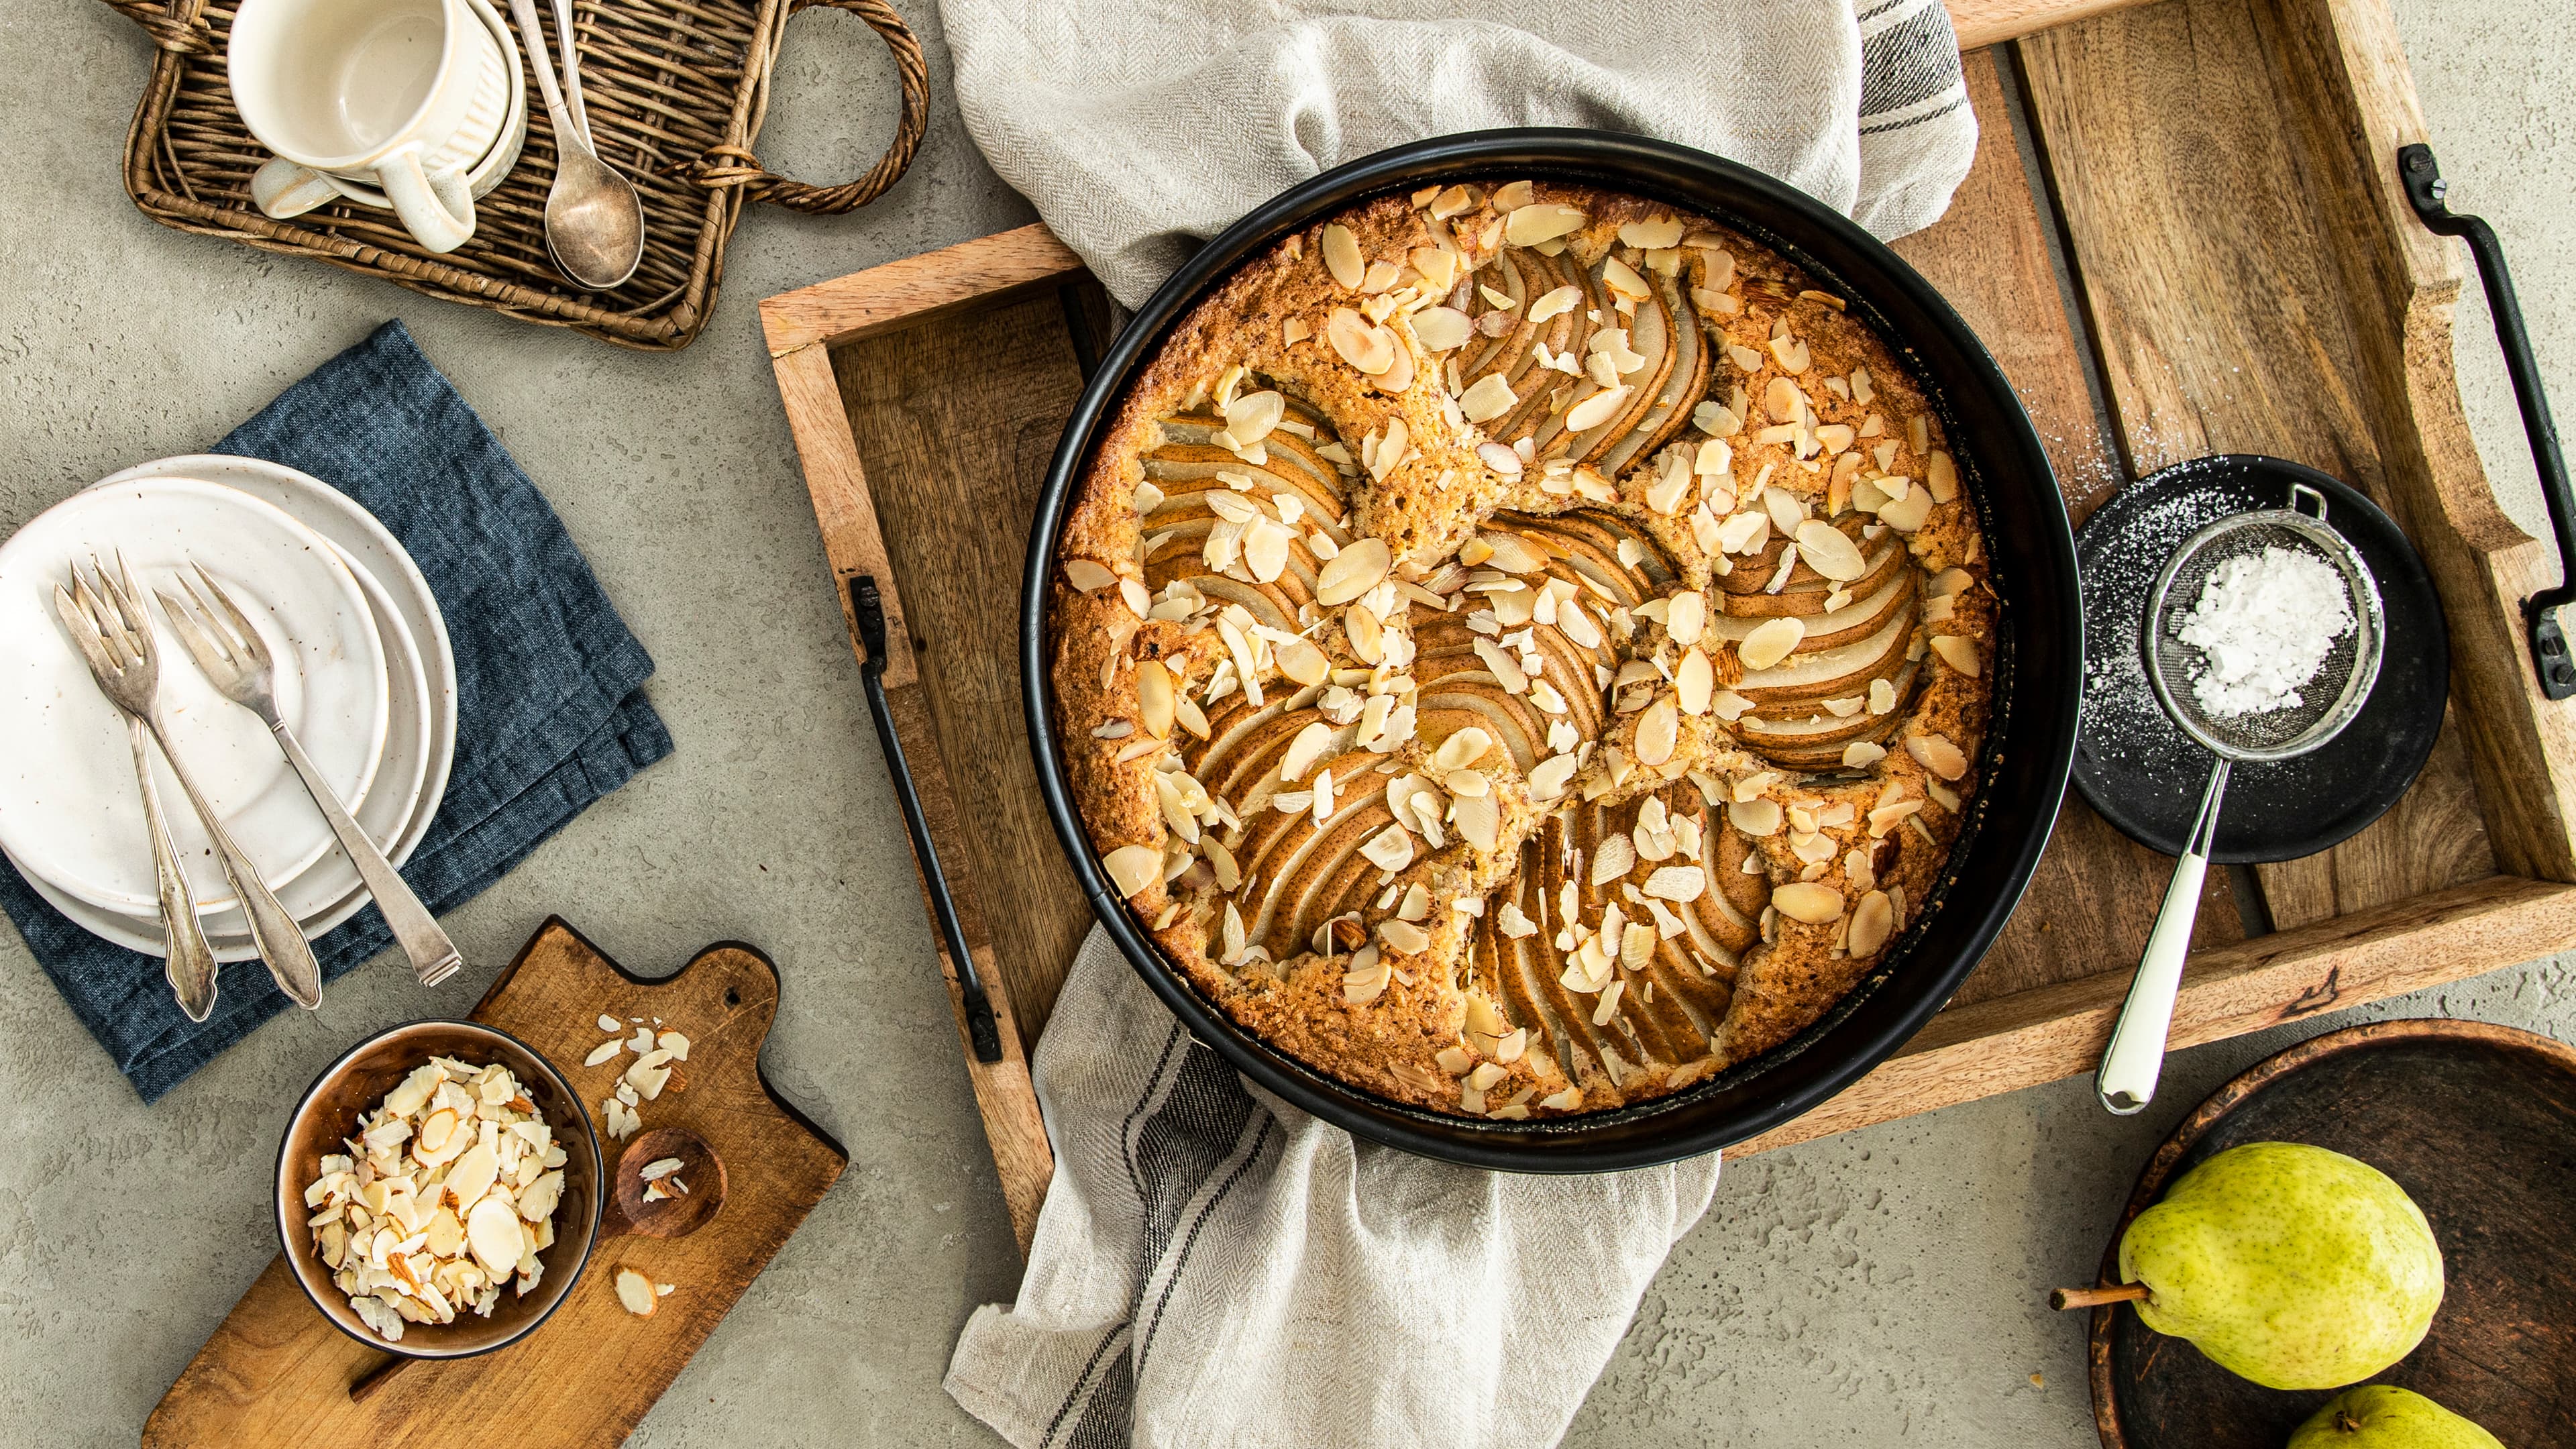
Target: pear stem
[{"x": 2064, "y": 1298}]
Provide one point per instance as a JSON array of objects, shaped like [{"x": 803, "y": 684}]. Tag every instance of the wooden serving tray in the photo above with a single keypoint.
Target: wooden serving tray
[
  {"x": 278, "y": 1373},
  {"x": 2183, "y": 235}
]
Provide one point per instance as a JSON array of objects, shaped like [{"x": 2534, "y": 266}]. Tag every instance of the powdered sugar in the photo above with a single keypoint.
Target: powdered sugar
[{"x": 2264, "y": 623}]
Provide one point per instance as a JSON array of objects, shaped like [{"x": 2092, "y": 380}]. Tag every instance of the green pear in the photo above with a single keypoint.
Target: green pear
[
  {"x": 2290, "y": 1265},
  {"x": 2384, "y": 1416}
]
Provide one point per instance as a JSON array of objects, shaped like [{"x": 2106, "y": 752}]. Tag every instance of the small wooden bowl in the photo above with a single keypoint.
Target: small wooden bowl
[
  {"x": 351, "y": 1087},
  {"x": 2478, "y": 1123},
  {"x": 673, "y": 1215}
]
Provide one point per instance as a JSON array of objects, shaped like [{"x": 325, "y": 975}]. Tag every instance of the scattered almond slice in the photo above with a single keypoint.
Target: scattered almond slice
[
  {"x": 604, "y": 1051},
  {"x": 636, "y": 1293}
]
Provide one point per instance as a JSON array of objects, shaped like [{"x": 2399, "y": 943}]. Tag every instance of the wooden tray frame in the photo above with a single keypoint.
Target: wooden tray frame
[{"x": 2237, "y": 270}]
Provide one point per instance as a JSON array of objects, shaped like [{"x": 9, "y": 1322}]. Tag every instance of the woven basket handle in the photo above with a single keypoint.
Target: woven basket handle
[
  {"x": 733, "y": 166},
  {"x": 176, "y": 36}
]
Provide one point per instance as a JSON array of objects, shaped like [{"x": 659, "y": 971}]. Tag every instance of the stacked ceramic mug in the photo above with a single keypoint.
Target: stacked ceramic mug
[{"x": 414, "y": 106}]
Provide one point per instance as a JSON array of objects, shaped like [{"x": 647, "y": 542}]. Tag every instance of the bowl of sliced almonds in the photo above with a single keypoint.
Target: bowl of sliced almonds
[{"x": 438, "y": 1190}]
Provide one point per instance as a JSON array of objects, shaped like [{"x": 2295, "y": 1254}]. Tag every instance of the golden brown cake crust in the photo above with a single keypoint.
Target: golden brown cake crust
[{"x": 1646, "y": 732}]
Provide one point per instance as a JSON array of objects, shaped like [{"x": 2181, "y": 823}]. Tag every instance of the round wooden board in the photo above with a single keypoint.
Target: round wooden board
[{"x": 2478, "y": 1124}]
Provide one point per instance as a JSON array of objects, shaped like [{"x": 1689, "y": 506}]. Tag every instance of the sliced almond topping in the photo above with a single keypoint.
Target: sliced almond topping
[
  {"x": 1540, "y": 222},
  {"x": 1960, "y": 654},
  {"x": 1088, "y": 576},
  {"x": 1440, "y": 329},
  {"x": 1595, "y": 410},
  {"x": 1133, "y": 868},
  {"x": 1937, "y": 754},
  {"x": 1612, "y": 859},
  {"x": 1861, "y": 754},
  {"x": 1549, "y": 778},
  {"x": 1771, "y": 641},
  {"x": 1342, "y": 255},
  {"x": 1940, "y": 476},
  {"x": 1677, "y": 883},
  {"x": 1807, "y": 901},
  {"x": 1872, "y": 921},
  {"x": 1352, "y": 572},
  {"x": 1829, "y": 551},
  {"x": 1404, "y": 935},
  {"x": 1555, "y": 304},
  {"x": 1389, "y": 849},
  {"x": 1693, "y": 681},
  {"x": 1154, "y": 695},
  {"x": 1754, "y": 817},
  {"x": 1658, "y": 731},
  {"x": 1656, "y": 235},
  {"x": 1362, "y": 343}
]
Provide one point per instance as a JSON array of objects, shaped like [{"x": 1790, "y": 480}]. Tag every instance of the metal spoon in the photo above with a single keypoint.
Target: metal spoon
[{"x": 594, "y": 219}]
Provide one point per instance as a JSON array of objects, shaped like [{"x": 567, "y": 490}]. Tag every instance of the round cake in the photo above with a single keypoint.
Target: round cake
[{"x": 1521, "y": 649}]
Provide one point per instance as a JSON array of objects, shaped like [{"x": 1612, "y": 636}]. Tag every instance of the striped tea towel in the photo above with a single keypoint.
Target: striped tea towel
[
  {"x": 1142, "y": 127},
  {"x": 1215, "y": 1267}
]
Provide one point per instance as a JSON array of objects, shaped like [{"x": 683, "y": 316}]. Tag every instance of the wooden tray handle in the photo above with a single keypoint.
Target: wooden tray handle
[
  {"x": 735, "y": 166},
  {"x": 179, "y": 37}
]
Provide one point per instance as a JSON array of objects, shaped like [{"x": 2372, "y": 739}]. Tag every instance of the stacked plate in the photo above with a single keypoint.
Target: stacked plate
[{"x": 365, "y": 678}]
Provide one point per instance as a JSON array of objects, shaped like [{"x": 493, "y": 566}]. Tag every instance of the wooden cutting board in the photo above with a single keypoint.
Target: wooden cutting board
[{"x": 277, "y": 1373}]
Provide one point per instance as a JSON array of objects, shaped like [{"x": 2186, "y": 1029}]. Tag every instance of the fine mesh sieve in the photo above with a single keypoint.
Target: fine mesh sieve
[
  {"x": 2342, "y": 683},
  {"x": 2327, "y": 703}
]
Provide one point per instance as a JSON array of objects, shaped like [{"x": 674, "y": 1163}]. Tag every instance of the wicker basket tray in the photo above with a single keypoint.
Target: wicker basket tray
[{"x": 675, "y": 89}]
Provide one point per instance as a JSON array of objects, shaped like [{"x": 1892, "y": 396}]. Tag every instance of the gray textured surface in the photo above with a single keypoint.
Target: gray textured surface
[{"x": 1882, "y": 1286}]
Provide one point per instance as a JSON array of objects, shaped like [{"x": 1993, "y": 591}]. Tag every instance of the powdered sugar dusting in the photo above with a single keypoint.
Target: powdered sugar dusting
[{"x": 2264, "y": 623}]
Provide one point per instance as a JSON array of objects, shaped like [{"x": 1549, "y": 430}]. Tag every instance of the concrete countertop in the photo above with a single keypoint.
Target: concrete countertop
[{"x": 1876, "y": 1287}]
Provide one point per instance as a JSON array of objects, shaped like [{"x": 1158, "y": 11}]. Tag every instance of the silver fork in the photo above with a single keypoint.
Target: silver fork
[
  {"x": 122, "y": 636},
  {"x": 191, "y": 961},
  {"x": 229, "y": 650}
]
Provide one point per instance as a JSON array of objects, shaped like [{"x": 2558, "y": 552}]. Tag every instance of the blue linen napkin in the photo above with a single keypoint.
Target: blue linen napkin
[{"x": 551, "y": 714}]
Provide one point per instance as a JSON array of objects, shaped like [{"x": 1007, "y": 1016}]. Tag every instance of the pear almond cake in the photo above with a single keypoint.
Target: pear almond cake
[{"x": 1521, "y": 649}]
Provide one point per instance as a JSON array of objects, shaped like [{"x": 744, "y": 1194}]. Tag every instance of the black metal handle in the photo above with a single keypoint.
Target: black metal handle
[
  {"x": 981, "y": 1027},
  {"x": 2422, "y": 177}
]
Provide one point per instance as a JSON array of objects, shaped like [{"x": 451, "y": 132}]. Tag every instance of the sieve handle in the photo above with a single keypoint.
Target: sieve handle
[
  {"x": 2136, "y": 1056},
  {"x": 2422, "y": 178}
]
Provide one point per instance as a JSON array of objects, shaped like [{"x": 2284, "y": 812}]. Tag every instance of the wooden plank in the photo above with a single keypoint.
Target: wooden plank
[
  {"x": 1989, "y": 255},
  {"x": 278, "y": 1373},
  {"x": 918, "y": 289},
  {"x": 2354, "y": 102},
  {"x": 2095, "y": 894},
  {"x": 1988, "y": 22},
  {"x": 2288, "y": 976},
  {"x": 1004, "y": 1094},
  {"x": 956, "y": 458},
  {"x": 2220, "y": 322},
  {"x": 839, "y": 487}
]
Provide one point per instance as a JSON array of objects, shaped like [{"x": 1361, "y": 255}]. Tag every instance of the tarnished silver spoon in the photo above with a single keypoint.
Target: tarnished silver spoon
[{"x": 594, "y": 219}]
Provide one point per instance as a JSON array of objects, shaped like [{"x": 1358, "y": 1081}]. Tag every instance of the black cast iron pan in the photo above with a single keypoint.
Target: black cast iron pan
[{"x": 2038, "y": 667}]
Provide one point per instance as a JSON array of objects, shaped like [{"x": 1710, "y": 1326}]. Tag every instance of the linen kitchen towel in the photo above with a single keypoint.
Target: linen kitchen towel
[
  {"x": 1141, "y": 127},
  {"x": 551, "y": 713},
  {"x": 1216, "y": 1267}
]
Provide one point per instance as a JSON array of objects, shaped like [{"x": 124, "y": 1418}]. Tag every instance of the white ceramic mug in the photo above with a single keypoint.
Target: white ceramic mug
[{"x": 404, "y": 93}]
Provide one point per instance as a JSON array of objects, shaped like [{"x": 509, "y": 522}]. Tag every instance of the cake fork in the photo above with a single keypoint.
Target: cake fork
[
  {"x": 111, "y": 606},
  {"x": 190, "y": 963},
  {"x": 236, "y": 662}
]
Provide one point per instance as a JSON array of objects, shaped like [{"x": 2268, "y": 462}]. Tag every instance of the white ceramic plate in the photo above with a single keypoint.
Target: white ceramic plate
[
  {"x": 69, "y": 808},
  {"x": 406, "y": 613},
  {"x": 329, "y": 893}
]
